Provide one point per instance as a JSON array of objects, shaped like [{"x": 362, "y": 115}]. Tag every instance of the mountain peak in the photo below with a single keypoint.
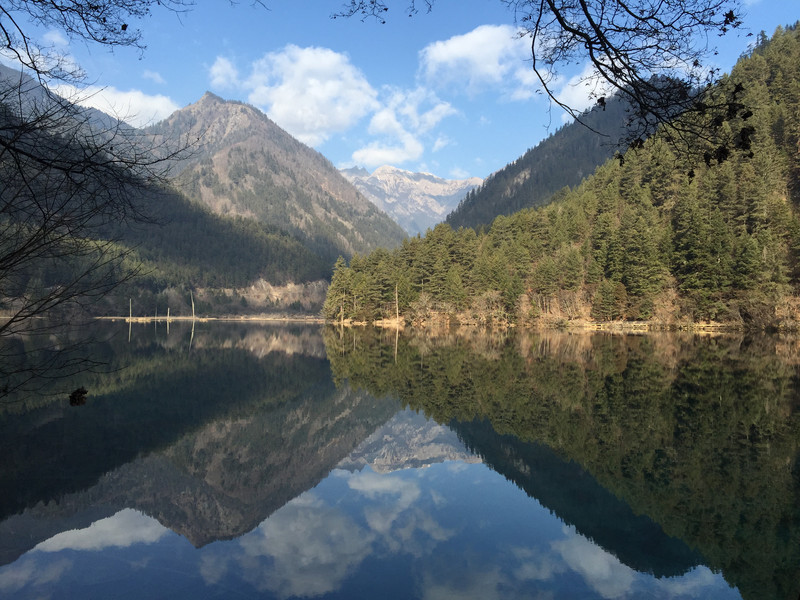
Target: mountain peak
[
  {"x": 389, "y": 169},
  {"x": 210, "y": 97},
  {"x": 416, "y": 201},
  {"x": 244, "y": 164}
]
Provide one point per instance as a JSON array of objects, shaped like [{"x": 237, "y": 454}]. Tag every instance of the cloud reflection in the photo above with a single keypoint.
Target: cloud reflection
[
  {"x": 399, "y": 523},
  {"x": 477, "y": 585},
  {"x": 311, "y": 545},
  {"x": 693, "y": 584},
  {"x": 121, "y": 530},
  {"x": 310, "y": 549},
  {"x": 536, "y": 565},
  {"x": 213, "y": 568},
  {"x": 603, "y": 572},
  {"x": 30, "y": 572},
  {"x": 382, "y": 516}
]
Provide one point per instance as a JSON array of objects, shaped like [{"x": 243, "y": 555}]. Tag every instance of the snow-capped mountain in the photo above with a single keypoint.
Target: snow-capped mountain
[{"x": 416, "y": 201}]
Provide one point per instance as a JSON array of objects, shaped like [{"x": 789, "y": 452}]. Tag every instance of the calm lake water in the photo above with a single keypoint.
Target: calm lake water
[{"x": 263, "y": 461}]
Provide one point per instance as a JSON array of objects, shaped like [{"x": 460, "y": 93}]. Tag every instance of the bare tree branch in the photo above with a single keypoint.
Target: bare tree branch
[
  {"x": 108, "y": 23},
  {"x": 655, "y": 54},
  {"x": 72, "y": 178}
]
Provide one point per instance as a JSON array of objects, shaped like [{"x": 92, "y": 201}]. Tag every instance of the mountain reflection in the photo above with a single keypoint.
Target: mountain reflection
[
  {"x": 270, "y": 461},
  {"x": 698, "y": 437},
  {"x": 208, "y": 441}
]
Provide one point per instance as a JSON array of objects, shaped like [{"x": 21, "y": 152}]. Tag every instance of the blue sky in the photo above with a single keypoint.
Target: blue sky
[{"x": 450, "y": 92}]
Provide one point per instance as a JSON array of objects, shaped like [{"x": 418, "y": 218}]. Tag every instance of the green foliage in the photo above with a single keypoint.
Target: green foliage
[
  {"x": 699, "y": 434},
  {"x": 538, "y": 177},
  {"x": 642, "y": 230},
  {"x": 190, "y": 246}
]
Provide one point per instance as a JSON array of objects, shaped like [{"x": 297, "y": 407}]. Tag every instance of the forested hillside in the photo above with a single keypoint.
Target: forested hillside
[
  {"x": 189, "y": 248},
  {"x": 253, "y": 221},
  {"x": 657, "y": 235},
  {"x": 563, "y": 159},
  {"x": 697, "y": 433}
]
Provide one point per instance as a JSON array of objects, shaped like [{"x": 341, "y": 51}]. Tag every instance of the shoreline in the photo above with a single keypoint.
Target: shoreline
[
  {"x": 401, "y": 324},
  {"x": 576, "y": 326},
  {"x": 229, "y": 318}
]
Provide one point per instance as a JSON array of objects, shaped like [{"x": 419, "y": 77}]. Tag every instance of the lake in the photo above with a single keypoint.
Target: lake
[{"x": 239, "y": 460}]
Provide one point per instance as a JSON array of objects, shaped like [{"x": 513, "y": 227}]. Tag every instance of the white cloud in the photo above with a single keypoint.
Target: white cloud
[
  {"x": 311, "y": 92},
  {"x": 400, "y": 125},
  {"x": 223, "y": 74},
  {"x": 405, "y": 147},
  {"x": 582, "y": 90},
  {"x": 419, "y": 108},
  {"x": 441, "y": 142},
  {"x": 52, "y": 52},
  {"x": 122, "y": 530},
  {"x": 315, "y": 93},
  {"x": 55, "y": 39},
  {"x": 154, "y": 76},
  {"x": 133, "y": 106},
  {"x": 488, "y": 58}
]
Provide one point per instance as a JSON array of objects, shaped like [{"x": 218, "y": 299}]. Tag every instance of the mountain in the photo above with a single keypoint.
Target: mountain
[
  {"x": 210, "y": 442},
  {"x": 31, "y": 97},
  {"x": 244, "y": 164},
  {"x": 252, "y": 219},
  {"x": 664, "y": 235},
  {"x": 176, "y": 244},
  {"x": 233, "y": 264},
  {"x": 561, "y": 160},
  {"x": 417, "y": 201},
  {"x": 408, "y": 440}
]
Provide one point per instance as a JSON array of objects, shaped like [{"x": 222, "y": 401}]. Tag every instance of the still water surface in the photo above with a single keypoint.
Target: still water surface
[{"x": 259, "y": 461}]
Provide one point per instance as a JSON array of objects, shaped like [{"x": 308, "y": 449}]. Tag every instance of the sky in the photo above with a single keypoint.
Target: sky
[{"x": 449, "y": 92}]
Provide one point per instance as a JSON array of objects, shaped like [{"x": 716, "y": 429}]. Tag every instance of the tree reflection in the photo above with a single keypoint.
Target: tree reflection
[{"x": 698, "y": 433}]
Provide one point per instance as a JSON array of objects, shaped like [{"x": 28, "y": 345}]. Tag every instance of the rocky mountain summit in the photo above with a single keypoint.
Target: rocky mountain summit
[
  {"x": 245, "y": 165},
  {"x": 416, "y": 201},
  {"x": 408, "y": 440}
]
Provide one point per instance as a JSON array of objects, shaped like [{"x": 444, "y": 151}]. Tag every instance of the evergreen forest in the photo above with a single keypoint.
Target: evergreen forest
[
  {"x": 702, "y": 230},
  {"x": 183, "y": 247},
  {"x": 697, "y": 433},
  {"x": 563, "y": 159}
]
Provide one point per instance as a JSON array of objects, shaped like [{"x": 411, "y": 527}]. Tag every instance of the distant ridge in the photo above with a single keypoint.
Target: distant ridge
[
  {"x": 563, "y": 159},
  {"x": 416, "y": 201}
]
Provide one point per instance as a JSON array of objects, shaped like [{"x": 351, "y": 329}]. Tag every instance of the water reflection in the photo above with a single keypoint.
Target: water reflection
[
  {"x": 522, "y": 467},
  {"x": 697, "y": 434},
  {"x": 122, "y": 530}
]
